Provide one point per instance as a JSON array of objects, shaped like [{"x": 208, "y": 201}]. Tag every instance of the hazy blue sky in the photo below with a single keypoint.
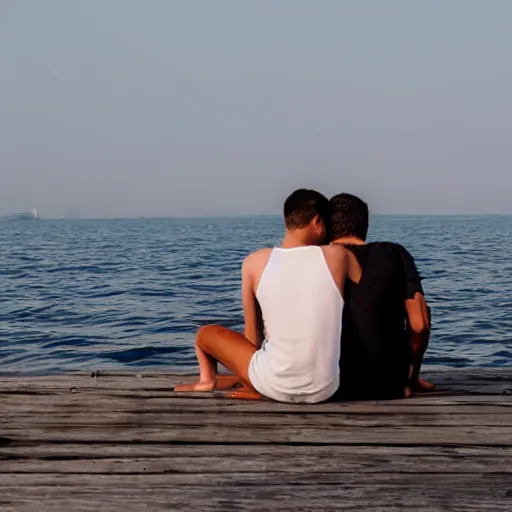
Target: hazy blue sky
[{"x": 167, "y": 107}]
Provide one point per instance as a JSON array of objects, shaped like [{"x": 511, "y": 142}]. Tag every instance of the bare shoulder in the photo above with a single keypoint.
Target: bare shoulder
[
  {"x": 253, "y": 267},
  {"x": 256, "y": 260},
  {"x": 259, "y": 255}
]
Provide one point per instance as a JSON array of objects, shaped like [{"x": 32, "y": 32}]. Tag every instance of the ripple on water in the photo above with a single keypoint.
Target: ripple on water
[{"x": 132, "y": 293}]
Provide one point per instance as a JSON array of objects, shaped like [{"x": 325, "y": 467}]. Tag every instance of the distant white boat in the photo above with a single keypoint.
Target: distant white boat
[{"x": 33, "y": 214}]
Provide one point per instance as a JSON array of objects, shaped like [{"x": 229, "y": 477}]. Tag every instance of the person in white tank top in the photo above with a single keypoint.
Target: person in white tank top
[{"x": 293, "y": 304}]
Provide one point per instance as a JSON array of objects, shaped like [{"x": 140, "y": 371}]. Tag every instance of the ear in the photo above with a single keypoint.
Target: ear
[
  {"x": 318, "y": 221},
  {"x": 319, "y": 225}
]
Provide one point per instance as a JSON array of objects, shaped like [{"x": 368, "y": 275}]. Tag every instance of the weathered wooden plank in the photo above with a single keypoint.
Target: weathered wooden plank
[
  {"x": 483, "y": 380},
  {"x": 58, "y": 451},
  {"x": 491, "y": 386},
  {"x": 113, "y": 419},
  {"x": 292, "y": 501},
  {"x": 103, "y": 398},
  {"x": 416, "y": 411},
  {"x": 146, "y": 460},
  {"x": 258, "y": 491},
  {"x": 218, "y": 433},
  {"x": 125, "y": 442}
]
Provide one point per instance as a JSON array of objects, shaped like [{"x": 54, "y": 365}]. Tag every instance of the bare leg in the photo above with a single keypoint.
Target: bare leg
[
  {"x": 234, "y": 351},
  {"x": 207, "y": 372}
]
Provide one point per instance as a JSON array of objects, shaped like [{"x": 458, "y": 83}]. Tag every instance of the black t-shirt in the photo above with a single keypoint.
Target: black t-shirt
[{"x": 375, "y": 350}]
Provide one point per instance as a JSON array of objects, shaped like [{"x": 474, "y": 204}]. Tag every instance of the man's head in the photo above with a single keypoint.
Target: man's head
[
  {"x": 310, "y": 211},
  {"x": 349, "y": 217}
]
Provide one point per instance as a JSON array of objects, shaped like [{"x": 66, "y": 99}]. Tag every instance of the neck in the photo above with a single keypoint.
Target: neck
[
  {"x": 296, "y": 238},
  {"x": 349, "y": 240}
]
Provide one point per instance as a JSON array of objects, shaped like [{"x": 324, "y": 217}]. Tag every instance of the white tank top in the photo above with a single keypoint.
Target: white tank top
[{"x": 302, "y": 309}]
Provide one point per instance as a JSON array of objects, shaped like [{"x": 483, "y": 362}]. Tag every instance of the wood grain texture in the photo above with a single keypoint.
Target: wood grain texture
[{"x": 124, "y": 441}]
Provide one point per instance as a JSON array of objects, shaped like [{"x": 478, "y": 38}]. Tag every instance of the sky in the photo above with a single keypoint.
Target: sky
[{"x": 126, "y": 108}]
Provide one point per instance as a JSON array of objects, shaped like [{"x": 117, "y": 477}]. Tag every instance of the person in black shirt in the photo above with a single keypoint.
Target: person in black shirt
[{"x": 386, "y": 322}]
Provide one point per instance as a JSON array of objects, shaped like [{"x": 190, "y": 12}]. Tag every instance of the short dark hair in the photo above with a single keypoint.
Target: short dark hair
[
  {"x": 349, "y": 216},
  {"x": 303, "y": 205}
]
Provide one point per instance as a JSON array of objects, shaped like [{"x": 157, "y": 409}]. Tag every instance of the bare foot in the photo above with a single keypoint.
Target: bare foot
[
  {"x": 196, "y": 386},
  {"x": 244, "y": 394},
  {"x": 408, "y": 392},
  {"x": 225, "y": 382},
  {"x": 222, "y": 383},
  {"x": 423, "y": 386}
]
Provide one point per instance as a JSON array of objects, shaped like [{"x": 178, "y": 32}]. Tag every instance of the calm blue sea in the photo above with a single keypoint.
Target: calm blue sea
[{"x": 93, "y": 294}]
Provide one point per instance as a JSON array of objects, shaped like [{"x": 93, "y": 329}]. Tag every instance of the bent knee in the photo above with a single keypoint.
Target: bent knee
[{"x": 206, "y": 332}]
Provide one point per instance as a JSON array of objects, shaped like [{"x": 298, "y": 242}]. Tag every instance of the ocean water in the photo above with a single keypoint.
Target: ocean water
[{"x": 103, "y": 294}]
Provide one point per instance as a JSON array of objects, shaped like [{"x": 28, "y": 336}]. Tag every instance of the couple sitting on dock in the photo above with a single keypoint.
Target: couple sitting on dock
[{"x": 345, "y": 320}]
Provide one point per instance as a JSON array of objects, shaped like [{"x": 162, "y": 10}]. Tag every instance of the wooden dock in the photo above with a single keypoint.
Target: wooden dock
[{"x": 125, "y": 442}]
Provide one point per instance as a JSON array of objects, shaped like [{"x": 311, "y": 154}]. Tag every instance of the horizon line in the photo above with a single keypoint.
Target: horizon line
[{"x": 249, "y": 215}]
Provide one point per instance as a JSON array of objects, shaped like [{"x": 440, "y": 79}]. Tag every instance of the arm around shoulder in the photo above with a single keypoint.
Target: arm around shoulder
[{"x": 342, "y": 264}]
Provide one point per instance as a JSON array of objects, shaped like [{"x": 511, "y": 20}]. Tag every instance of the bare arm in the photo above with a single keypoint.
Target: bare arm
[
  {"x": 252, "y": 312},
  {"x": 414, "y": 297},
  {"x": 417, "y": 313}
]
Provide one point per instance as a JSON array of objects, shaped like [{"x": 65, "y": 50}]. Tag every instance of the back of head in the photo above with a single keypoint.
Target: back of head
[
  {"x": 349, "y": 217},
  {"x": 302, "y": 206}
]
